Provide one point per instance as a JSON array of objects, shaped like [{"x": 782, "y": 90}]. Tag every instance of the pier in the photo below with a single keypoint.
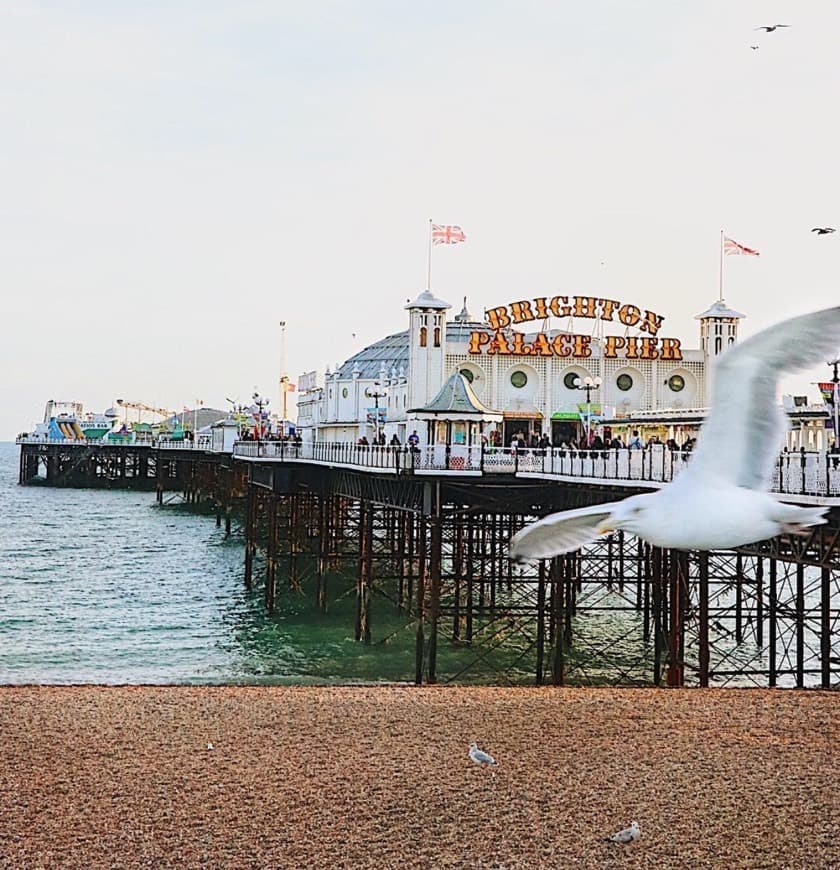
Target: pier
[{"x": 419, "y": 539}]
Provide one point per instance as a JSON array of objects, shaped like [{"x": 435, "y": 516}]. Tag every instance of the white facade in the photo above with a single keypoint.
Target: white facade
[{"x": 534, "y": 393}]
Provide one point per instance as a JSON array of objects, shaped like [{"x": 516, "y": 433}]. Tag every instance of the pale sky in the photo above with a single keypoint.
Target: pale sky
[{"x": 178, "y": 177}]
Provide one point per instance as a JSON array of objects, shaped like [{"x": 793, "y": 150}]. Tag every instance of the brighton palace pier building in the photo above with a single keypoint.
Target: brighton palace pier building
[{"x": 452, "y": 380}]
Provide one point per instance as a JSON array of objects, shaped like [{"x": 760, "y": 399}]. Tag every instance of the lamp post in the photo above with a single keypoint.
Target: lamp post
[
  {"x": 260, "y": 403},
  {"x": 376, "y": 392},
  {"x": 588, "y": 384},
  {"x": 836, "y": 399}
]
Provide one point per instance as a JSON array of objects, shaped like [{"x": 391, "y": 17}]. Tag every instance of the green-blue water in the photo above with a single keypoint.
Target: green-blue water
[{"x": 106, "y": 587}]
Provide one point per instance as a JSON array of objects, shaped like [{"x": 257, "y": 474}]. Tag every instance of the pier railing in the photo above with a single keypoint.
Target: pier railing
[
  {"x": 202, "y": 442},
  {"x": 797, "y": 473}
]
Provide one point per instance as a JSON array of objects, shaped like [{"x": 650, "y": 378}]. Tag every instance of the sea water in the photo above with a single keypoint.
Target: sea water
[{"x": 105, "y": 586}]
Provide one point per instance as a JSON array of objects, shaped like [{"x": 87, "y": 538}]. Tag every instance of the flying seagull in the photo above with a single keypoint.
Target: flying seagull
[
  {"x": 769, "y": 28},
  {"x": 627, "y": 836},
  {"x": 480, "y": 757},
  {"x": 823, "y": 231},
  {"x": 755, "y": 47},
  {"x": 722, "y": 499}
]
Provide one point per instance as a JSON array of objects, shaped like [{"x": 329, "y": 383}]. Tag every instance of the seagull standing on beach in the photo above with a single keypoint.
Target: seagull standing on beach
[
  {"x": 480, "y": 757},
  {"x": 627, "y": 836},
  {"x": 722, "y": 499}
]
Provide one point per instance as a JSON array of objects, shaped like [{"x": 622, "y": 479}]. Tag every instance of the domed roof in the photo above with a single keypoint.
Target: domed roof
[
  {"x": 388, "y": 352},
  {"x": 392, "y": 351}
]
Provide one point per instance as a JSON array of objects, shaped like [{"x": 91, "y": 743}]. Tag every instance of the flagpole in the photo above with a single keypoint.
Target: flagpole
[
  {"x": 429, "y": 260},
  {"x": 720, "y": 280}
]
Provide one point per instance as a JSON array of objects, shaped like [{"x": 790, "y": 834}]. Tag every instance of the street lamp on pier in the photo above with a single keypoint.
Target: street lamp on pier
[
  {"x": 835, "y": 399},
  {"x": 376, "y": 391},
  {"x": 588, "y": 384},
  {"x": 260, "y": 404}
]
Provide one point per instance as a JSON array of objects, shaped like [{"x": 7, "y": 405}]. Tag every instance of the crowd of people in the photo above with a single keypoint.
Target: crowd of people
[
  {"x": 250, "y": 434},
  {"x": 493, "y": 441},
  {"x": 594, "y": 441}
]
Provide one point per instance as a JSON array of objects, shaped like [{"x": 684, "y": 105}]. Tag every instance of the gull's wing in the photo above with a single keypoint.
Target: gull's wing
[
  {"x": 483, "y": 757},
  {"x": 559, "y": 533},
  {"x": 625, "y": 836},
  {"x": 744, "y": 431}
]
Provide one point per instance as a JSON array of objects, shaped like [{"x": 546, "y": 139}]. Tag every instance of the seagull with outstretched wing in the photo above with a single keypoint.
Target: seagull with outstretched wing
[
  {"x": 722, "y": 499},
  {"x": 769, "y": 28},
  {"x": 823, "y": 231}
]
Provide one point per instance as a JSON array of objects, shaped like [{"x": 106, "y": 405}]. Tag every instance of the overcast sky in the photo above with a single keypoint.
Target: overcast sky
[{"x": 178, "y": 177}]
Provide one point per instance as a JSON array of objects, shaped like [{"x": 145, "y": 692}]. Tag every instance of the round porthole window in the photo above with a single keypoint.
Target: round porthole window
[
  {"x": 569, "y": 380},
  {"x": 624, "y": 383},
  {"x": 676, "y": 383},
  {"x": 467, "y": 374},
  {"x": 344, "y": 393},
  {"x": 518, "y": 379}
]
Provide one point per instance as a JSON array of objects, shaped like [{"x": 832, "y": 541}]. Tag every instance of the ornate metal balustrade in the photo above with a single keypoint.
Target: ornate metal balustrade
[{"x": 800, "y": 473}]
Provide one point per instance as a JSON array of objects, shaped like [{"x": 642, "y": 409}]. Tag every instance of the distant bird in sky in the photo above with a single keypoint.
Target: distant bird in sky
[
  {"x": 480, "y": 757},
  {"x": 769, "y": 28},
  {"x": 823, "y": 231},
  {"x": 755, "y": 47},
  {"x": 725, "y": 487},
  {"x": 627, "y": 836}
]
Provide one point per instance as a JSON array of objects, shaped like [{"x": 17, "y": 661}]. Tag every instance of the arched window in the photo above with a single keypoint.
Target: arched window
[
  {"x": 423, "y": 336},
  {"x": 437, "y": 336},
  {"x": 718, "y": 344}
]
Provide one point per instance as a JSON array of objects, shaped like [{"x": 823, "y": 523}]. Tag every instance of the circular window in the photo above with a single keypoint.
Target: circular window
[
  {"x": 569, "y": 380},
  {"x": 519, "y": 379},
  {"x": 624, "y": 383},
  {"x": 676, "y": 383},
  {"x": 344, "y": 393},
  {"x": 467, "y": 374}
]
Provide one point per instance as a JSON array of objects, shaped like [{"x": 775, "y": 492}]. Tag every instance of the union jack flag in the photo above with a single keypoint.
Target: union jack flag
[
  {"x": 730, "y": 246},
  {"x": 447, "y": 235}
]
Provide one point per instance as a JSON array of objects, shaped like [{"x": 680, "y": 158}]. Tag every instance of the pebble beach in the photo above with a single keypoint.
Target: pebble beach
[{"x": 379, "y": 777}]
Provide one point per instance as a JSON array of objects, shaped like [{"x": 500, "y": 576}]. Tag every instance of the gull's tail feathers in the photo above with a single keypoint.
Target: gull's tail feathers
[{"x": 796, "y": 520}]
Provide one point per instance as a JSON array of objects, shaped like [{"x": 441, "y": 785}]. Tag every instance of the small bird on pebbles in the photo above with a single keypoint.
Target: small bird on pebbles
[
  {"x": 480, "y": 757},
  {"x": 627, "y": 836}
]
